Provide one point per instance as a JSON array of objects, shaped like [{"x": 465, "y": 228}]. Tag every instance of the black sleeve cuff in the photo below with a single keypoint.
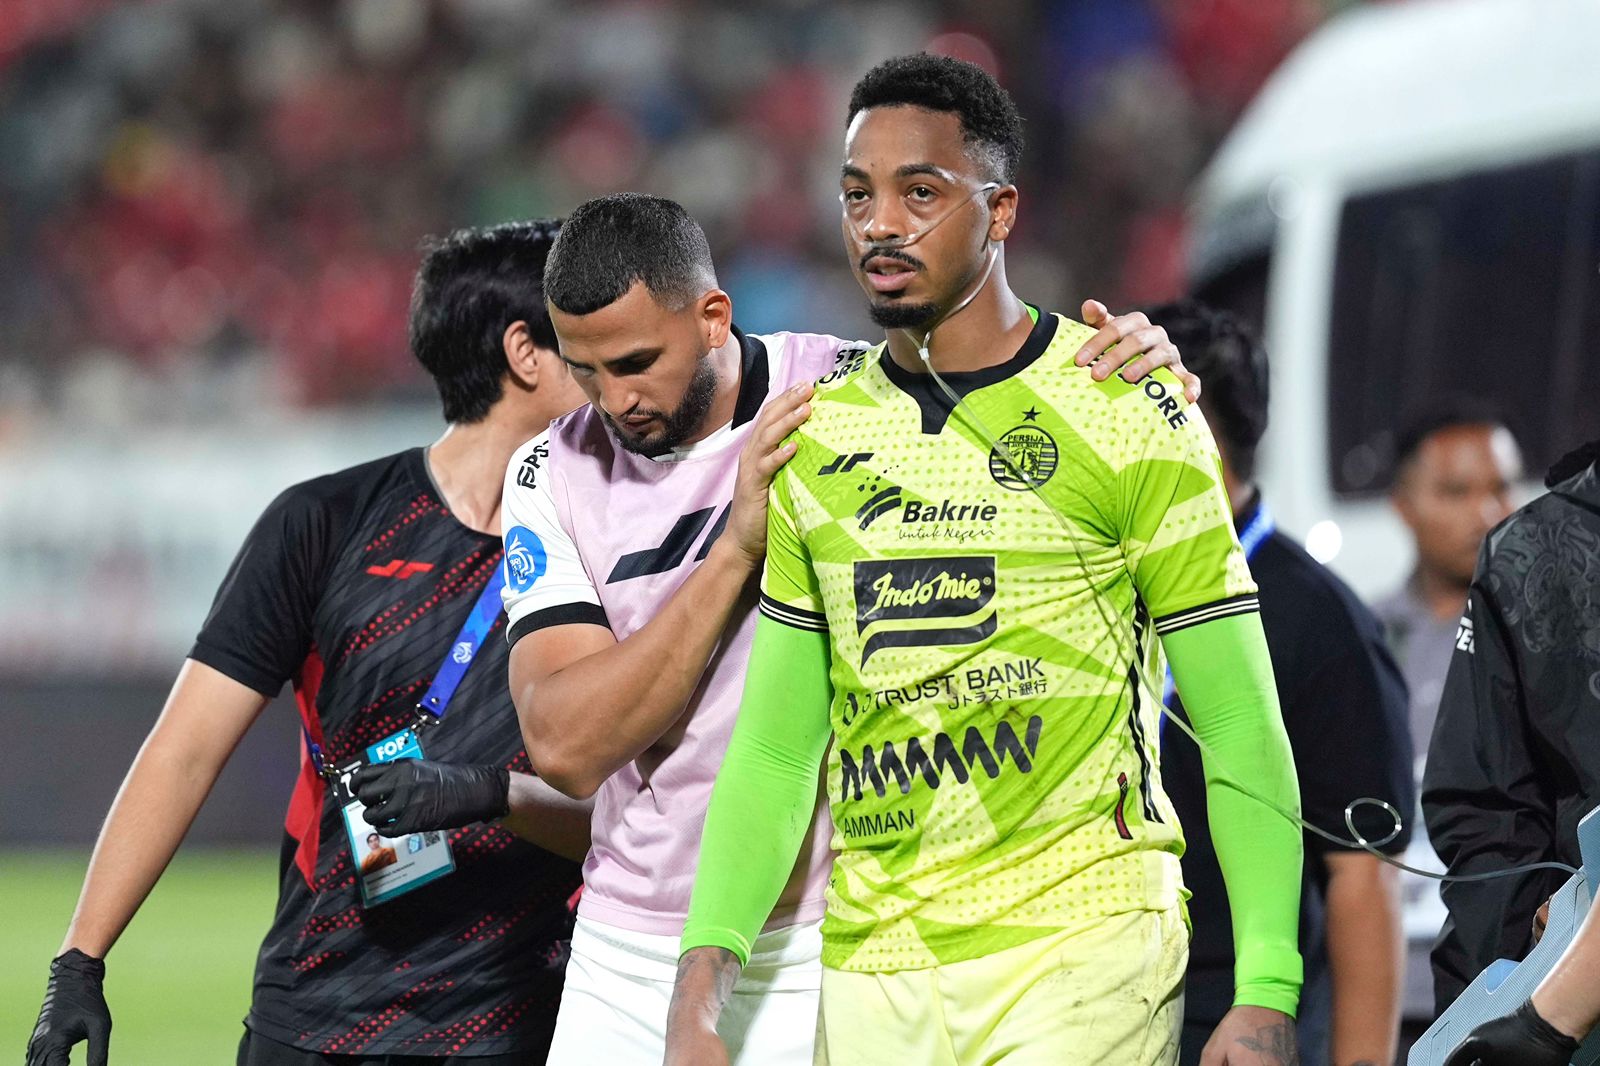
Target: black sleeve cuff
[
  {"x": 232, "y": 666},
  {"x": 579, "y": 613},
  {"x": 1207, "y": 612},
  {"x": 794, "y": 617}
]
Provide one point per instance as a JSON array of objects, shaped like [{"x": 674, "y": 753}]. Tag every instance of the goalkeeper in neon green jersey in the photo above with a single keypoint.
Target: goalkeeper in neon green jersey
[{"x": 972, "y": 603}]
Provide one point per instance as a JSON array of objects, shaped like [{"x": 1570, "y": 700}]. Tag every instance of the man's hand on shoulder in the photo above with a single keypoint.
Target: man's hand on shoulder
[
  {"x": 764, "y": 455},
  {"x": 1132, "y": 344}
]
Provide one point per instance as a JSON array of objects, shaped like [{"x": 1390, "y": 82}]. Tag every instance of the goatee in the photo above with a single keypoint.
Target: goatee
[{"x": 902, "y": 315}]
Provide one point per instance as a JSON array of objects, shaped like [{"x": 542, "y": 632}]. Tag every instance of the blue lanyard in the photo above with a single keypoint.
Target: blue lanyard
[
  {"x": 1257, "y": 530},
  {"x": 463, "y": 650},
  {"x": 1251, "y": 537}
]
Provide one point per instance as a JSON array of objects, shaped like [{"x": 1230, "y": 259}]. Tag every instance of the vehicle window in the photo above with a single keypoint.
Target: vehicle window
[{"x": 1486, "y": 285}]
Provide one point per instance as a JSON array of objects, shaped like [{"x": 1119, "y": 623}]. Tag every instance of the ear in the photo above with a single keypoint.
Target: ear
[
  {"x": 1003, "y": 213},
  {"x": 716, "y": 317},
  {"x": 522, "y": 355}
]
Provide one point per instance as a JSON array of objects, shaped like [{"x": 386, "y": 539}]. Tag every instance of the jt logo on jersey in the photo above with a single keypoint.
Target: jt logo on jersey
[
  {"x": 400, "y": 569},
  {"x": 843, "y": 464}
]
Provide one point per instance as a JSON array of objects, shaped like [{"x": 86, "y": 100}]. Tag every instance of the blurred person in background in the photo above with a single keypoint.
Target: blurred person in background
[
  {"x": 1344, "y": 706},
  {"x": 1514, "y": 762},
  {"x": 354, "y": 587},
  {"x": 645, "y": 516},
  {"x": 1021, "y": 904},
  {"x": 1455, "y": 465}
]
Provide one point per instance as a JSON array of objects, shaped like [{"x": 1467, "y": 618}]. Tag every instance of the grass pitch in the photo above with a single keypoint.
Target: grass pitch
[{"x": 178, "y": 982}]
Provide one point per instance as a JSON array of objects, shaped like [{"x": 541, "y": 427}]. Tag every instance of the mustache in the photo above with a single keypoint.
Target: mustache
[
  {"x": 890, "y": 253},
  {"x": 636, "y": 412}
]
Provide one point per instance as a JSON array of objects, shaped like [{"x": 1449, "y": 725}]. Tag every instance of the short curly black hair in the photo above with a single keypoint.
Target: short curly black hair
[{"x": 990, "y": 122}]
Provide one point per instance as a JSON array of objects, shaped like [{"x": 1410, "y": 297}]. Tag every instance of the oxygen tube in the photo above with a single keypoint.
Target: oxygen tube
[{"x": 1356, "y": 840}]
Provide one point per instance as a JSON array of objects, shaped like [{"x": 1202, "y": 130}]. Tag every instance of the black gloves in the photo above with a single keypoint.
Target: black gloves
[
  {"x": 1519, "y": 1039},
  {"x": 74, "y": 1010},
  {"x": 414, "y": 795}
]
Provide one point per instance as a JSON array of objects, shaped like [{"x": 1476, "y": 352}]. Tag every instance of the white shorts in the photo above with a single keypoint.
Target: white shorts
[{"x": 619, "y": 983}]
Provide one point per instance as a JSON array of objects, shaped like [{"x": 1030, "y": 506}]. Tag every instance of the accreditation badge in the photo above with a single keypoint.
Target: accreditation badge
[{"x": 390, "y": 866}]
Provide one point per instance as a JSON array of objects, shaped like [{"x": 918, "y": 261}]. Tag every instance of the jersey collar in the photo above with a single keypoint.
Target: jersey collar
[
  {"x": 753, "y": 377},
  {"x": 935, "y": 405}
]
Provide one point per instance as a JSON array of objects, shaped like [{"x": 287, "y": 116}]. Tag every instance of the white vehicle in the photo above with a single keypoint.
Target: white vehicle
[{"x": 1411, "y": 207}]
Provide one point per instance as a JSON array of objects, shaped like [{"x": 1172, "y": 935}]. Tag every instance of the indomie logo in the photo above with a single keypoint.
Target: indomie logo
[
  {"x": 877, "y": 769},
  {"x": 920, "y": 592},
  {"x": 917, "y": 589}
]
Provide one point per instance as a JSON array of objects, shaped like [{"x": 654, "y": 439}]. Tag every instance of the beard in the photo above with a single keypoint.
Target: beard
[
  {"x": 903, "y": 314},
  {"x": 897, "y": 312},
  {"x": 894, "y": 311},
  {"x": 683, "y": 422}
]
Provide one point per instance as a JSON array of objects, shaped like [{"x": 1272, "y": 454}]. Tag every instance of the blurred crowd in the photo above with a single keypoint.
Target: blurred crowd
[{"x": 211, "y": 208}]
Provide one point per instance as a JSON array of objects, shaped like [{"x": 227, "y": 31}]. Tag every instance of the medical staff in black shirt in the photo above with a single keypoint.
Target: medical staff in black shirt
[
  {"x": 1514, "y": 762},
  {"x": 354, "y": 588},
  {"x": 1344, "y": 707}
]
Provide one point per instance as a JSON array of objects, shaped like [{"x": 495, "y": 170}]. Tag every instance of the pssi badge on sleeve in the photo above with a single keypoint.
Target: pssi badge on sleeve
[{"x": 390, "y": 866}]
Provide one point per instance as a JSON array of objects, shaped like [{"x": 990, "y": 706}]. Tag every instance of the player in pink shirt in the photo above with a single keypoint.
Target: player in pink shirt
[{"x": 634, "y": 534}]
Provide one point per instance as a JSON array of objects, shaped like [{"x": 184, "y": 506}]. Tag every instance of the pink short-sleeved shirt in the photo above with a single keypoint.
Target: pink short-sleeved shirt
[{"x": 595, "y": 533}]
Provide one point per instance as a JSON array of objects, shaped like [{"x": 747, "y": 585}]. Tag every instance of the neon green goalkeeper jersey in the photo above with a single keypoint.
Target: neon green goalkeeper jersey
[{"x": 994, "y": 775}]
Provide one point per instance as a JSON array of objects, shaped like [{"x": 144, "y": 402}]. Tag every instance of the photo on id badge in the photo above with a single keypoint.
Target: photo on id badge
[{"x": 390, "y": 866}]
